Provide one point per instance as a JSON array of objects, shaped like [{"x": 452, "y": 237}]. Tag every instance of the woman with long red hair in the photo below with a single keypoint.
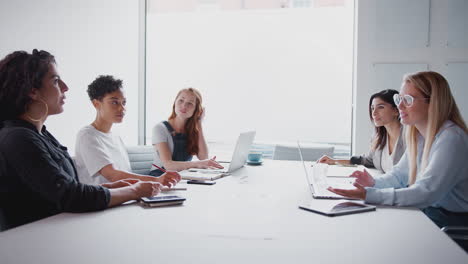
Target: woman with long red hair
[{"x": 181, "y": 137}]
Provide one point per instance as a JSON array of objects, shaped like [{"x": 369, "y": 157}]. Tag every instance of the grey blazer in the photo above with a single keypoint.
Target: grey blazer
[{"x": 373, "y": 159}]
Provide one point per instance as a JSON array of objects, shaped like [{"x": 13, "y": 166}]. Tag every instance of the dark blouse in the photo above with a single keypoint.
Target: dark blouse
[{"x": 38, "y": 178}]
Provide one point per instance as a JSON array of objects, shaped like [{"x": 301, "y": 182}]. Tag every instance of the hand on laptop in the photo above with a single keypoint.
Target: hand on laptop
[
  {"x": 209, "y": 164},
  {"x": 327, "y": 160},
  {"x": 358, "y": 193}
]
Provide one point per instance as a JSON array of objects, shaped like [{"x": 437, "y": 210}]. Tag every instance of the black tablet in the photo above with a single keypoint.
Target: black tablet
[
  {"x": 165, "y": 200},
  {"x": 336, "y": 207}
]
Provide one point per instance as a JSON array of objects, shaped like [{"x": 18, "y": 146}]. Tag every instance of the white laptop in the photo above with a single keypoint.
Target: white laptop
[
  {"x": 335, "y": 205},
  {"x": 319, "y": 182},
  {"x": 342, "y": 171},
  {"x": 239, "y": 157}
]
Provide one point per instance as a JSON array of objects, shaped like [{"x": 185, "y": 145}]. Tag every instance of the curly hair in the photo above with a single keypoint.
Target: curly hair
[
  {"x": 102, "y": 85},
  {"x": 20, "y": 72}
]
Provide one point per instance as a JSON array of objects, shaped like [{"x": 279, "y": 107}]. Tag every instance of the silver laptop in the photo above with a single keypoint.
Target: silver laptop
[
  {"x": 239, "y": 156},
  {"x": 319, "y": 182}
]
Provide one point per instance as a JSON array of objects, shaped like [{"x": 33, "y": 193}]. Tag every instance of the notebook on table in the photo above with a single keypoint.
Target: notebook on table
[
  {"x": 239, "y": 157},
  {"x": 201, "y": 176},
  {"x": 336, "y": 207}
]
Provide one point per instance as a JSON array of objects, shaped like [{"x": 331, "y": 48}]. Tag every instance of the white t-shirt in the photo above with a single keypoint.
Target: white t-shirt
[
  {"x": 161, "y": 134},
  {"x": 94, "y": 150}
]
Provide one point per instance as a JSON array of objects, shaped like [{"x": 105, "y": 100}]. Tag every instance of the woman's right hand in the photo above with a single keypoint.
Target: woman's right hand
[
  {"x": 209, "y": 164},
  {"x": 135, "y": 191},
  {"x": 201, "y": 115},
  {"x": 363, "y": 178},
  {"x": 146, "y": 189},
  {"x": 169, "y": 179},
  {"x": 327, "y": 160}
]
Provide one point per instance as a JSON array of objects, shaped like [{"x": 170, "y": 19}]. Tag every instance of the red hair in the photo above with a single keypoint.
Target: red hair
[{"x": 192, "y": 126}]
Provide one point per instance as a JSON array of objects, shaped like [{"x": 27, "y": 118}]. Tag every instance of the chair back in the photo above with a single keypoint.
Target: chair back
[
  {"x": 309, "y": 153},
  {"x": 141, "y": 158}
]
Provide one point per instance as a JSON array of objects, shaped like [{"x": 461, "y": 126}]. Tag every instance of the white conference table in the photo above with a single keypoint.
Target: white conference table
[{"x": 249, "y": 217}]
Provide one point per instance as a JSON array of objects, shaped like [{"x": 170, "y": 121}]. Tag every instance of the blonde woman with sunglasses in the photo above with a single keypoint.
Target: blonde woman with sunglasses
[{"x": 433, "y": 172}]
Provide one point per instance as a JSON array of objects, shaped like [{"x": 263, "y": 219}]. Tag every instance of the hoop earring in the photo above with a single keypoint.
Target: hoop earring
[{"x": 46, "y": 112}]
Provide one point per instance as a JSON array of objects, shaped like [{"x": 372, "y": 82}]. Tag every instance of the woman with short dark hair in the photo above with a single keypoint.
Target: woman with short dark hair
[{"x": 100, "y": 153}]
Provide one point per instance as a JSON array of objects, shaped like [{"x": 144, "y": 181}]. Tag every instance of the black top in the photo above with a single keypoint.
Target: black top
[
  {"x": 180, "y": 144},
  {"x": 38, "y": 178}
]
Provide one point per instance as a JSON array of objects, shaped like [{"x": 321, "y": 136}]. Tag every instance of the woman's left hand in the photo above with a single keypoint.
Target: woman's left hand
[{"x": 359, "y": 192}]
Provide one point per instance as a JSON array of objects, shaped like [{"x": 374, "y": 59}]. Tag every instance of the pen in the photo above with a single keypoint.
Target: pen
[
  {"x": 173, "y": 189},
  {"x": 214, "y": 157},
  {"x": 163, "y": 170}
]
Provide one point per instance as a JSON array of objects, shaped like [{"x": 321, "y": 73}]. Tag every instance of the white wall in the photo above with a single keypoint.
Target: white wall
[
  {"x": 286, "y": 73},
  {"x": 88, "y": 38},
  {"x": 368, "y": 53}
]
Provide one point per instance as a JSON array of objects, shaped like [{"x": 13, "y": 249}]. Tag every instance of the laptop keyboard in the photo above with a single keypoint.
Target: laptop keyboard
[{"x": 323, "y": 184}]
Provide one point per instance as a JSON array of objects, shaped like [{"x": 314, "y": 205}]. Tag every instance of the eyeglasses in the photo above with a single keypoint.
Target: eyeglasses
[{"x": 407, "y": 99}]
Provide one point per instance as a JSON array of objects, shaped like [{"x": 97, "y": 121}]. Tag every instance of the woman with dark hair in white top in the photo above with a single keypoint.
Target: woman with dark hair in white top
[
  {"x": 100, "y": 153},
  {"x": 388, "y": 144}
]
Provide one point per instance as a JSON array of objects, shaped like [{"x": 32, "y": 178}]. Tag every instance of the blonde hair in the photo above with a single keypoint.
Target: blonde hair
[{"x": 442, "y": 107}]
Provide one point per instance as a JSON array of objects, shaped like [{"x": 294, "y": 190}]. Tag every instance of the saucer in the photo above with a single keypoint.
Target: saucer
[{"x": 254, "y": 162}]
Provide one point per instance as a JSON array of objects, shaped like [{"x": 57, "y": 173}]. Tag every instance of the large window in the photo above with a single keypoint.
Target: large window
[{"x": 282, "y": 68}]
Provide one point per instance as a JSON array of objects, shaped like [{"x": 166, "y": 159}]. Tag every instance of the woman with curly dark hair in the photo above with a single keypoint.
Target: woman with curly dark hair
[
  {"x": 37, "y": 174},
  {"x": 100, "y": 153}
]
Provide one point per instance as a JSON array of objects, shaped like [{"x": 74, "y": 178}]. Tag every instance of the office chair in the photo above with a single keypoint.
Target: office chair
[
  {"x": 141, "y": 158},
  {"x": 459, "y": 234},
  {"x": 309, "y": 153}
]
